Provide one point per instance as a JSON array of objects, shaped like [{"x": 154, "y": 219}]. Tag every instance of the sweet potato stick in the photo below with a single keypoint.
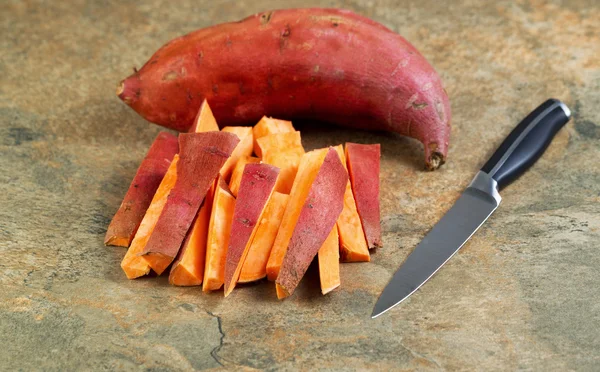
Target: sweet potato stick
[
  {"x": 219, "y": 230},
  {"x": 320, "y": 211},
  {"x": 329, "y": 262},
  {"x": 258, "y": 183},
  {"x": 267, "y": 126},
  {"x": 255, "y": 265},
  {"x": 201, "y": 157},
  {"x": 307, "y": 172},
  {"x": 363, "y": 167},
  {"x": 353, "y": 244},
  {"x": 133, "y": 265},
  {"x": 152, "y": 170}
]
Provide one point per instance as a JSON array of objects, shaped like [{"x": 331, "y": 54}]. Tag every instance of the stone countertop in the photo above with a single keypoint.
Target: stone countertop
[{"x": 524, "y": 292}]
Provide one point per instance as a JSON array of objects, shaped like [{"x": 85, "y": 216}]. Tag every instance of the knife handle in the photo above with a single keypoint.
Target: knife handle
[{"x": 527, "y": 142}]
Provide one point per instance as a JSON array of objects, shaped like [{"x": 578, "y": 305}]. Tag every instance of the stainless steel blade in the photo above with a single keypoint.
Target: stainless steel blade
[{"x": 469, "y": 212}]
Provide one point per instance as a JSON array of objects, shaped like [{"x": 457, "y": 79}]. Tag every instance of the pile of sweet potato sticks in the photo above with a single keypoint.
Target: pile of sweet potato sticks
[{"x": 204, "y": 206}]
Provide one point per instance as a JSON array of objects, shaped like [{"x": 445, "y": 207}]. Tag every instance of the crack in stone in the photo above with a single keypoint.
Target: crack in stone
[
  {"x": 217, "y": 348},
  {"x": 26, "y": 280},
  {"x": 50, "y": 280}
]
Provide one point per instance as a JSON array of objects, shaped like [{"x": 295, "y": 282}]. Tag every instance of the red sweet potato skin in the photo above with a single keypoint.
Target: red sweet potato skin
[
  {"x": 321, "y": 210},
  {"x": 363, "y": 166},
  {"x": 296, "y": 63},
  {"x": 153, "y": 168},
  {"x": 201, "y": 157},
  {"x": 258, "y": 183}
]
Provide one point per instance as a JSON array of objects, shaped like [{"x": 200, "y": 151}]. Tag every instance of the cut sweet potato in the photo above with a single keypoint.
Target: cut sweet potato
[
  {"x": 363, "y": 167},
  {"x": 267, "y": 126},
  {"x": 238, "y": 171},
  {"x": 201, "y": 157},
  {"x": 281, "y": 293},
  {"x": 329, "y": 262},
  {"x": 353, "y": 244},
  {"x": 149, "y": 175},
  {"x": 134, "y": 265},
  {"x": 188, "y": 269},
  {"x": 219, "y": 230},
  {"x": 205, "y": 120},
  {"x": 307, "y": 171},
  {"x": 283, "y": 150},
  {"x": 244, "y": 148},
  {"x": 258, "y": 183},
  {"x": 319, "y": 213},
  {"x": 255, "y": 265}
]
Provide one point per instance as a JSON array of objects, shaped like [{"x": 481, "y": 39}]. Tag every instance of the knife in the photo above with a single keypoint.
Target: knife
[{"x": 523, "y": 147}]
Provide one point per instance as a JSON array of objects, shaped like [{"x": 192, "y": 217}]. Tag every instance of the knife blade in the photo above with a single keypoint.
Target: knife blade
[{"x": 521, "y": 149}]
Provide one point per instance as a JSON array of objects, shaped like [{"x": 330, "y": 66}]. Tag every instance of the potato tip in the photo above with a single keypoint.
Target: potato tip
[{"x": 120, "y": 88}]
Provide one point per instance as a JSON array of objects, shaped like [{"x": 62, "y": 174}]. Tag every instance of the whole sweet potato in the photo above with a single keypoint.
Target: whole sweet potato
[{"x": 326, "y": 64}]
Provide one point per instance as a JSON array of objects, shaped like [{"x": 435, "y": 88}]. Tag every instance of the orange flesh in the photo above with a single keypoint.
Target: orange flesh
[
  {"x": 218, "y": 238},
  {"x": 118, "y": 241},
  {"x": 181, "y": 277},
  {"x": 188, "y": 270},
  {"x": 205, "y": 120},
  {"x": 353, "y": 244},
  {"x": 329, "y": 262},
  {"x": 281, "y": 293},
  {"x": 283, "y": 150},
  {"x": 244, "y": 148},
  {"x": 267, "y": 126},
  {"x": 307, "y": 172},
  {"x": 255, "y": 265},
  {"x": 158, "y": 261},
  {"x": 134, "y": 265},
  {"x": 238, "y": 171}
]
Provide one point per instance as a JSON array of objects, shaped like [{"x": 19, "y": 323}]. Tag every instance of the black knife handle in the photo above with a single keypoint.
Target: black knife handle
[{"x": 527, "y": 142}]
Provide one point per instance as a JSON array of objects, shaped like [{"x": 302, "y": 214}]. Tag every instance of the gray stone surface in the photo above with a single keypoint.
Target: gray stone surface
[{"x": 523, "y": 294}]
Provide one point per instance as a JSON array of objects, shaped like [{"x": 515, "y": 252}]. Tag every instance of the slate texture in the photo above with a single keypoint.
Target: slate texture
[{"x": 523, "y": 294}]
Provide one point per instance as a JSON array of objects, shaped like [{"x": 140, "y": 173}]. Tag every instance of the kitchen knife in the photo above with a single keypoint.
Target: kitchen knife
[{"x": 523, "y": 147}]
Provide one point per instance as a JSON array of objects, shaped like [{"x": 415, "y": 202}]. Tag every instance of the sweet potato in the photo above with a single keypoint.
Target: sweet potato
[
  {"x": 329, "y": 262},
  {"x": 258, "y": 183},
  {"x": 326, "y": 64},
  {"x": 188, "y": 268},
  {"x": 255, "y": 265},
  {"x": 281, "y": 293},
  {"x": 320, "y": 211},
  {"x": 238, "y": 171},
  {"x": 201, "y": 157},
  {"x": 219, "y": 230},
  {"x": 267, "y": 126},
  {"x": 284, "y": 151},
  {"x": 307, "y": 171},
  {"x": 353, "y": 244},
  {"x": 205, "y": 120},
  {"x": 133, "y": 265},
  {"x": 244, "y": 148},
  {"x": 125, "y": 223},
  {"x": 363, "y": 167}
]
